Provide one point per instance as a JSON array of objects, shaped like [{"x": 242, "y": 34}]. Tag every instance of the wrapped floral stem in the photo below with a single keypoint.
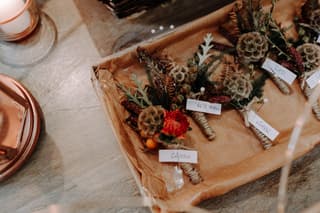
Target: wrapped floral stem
[
  {"x": 189, "y": 170},
  {"x": 244, "y": 91},
  {"x": 283, "y": 86},
  {"x": 307, "y": 92},
  {"x": 310, "y": 54},
  {"x": 201, "y": 120},
  {"x": 264, "y": 140}
]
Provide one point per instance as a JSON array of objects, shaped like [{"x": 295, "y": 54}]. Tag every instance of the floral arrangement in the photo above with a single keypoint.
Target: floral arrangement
[
  {"x": 257, "y": 36},
  {"x": 308, "y": 22},
  {"x": 308, "y": 27},
  {"x": 227, "y": 74},
  {"x": 157, "y": 125},
  {"x": 184, "y": 81}
]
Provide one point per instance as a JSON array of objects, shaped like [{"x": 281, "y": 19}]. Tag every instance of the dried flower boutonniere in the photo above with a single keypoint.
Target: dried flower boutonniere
[
  {"x": 245, "y": 91},
  {"x": 157, "y": 125},
  {"x": 184, "y": 81},
  {"x": 257, "y": 36},
  {"x": 310, "y": 54},
  {"x": 308, "y": 22}
]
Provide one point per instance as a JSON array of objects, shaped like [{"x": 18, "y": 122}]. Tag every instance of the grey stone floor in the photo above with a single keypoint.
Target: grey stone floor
[{"x": 78, "y": 167}]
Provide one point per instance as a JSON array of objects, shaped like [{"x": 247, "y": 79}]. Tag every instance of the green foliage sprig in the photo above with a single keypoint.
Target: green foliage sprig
[{"x": 139, "y": 96}]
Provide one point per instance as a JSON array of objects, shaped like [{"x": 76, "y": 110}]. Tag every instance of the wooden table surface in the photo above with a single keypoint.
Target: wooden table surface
[{"x": 77, "y": 166}]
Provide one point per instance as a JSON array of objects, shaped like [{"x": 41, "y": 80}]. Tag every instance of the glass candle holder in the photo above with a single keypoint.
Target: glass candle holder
[
  {"x": 18, "y": 18},
  {"x": 27, "y": 34}
]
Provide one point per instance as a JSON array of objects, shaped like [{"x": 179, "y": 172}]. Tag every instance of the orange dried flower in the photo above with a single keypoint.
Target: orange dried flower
[{"x": 175, "y": 123}]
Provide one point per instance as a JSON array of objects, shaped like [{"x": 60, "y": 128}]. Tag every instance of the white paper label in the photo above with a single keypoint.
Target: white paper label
[
  {"x": 318, "y": 40},
  {"x": 178, "y": 156},
  {"x": 203, "y": 106},
  {"x": 314, "y": 79},
  {"x": 262, "y": 125},
  {"x": 279, "y": 71}
]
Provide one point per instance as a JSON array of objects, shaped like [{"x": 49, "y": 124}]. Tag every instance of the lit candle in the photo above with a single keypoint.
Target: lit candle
[{"x": 10, "y": 8}]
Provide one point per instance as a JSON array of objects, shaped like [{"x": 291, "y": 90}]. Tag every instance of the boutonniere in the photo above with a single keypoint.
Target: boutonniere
[
  {"x": 308, "y": 22},
  {"x": 245, "y": 91},
  {"x": 187, "y": 81},
  {"x": 309, "y": 79},
  {"x": 158, "y": 126},
  {"x": 260, "y": 42}
]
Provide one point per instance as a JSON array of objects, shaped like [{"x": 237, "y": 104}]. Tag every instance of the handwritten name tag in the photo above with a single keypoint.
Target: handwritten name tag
[
  {"x": 279, "y": 71},
  {"x": 203, "y": 106},
  {"x": 314, "y": 79},
  {"x": 262, "y": 126},
  {"x": 178, "y": 156}
]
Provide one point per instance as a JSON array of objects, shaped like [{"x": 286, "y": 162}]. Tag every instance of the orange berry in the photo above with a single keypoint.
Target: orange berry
[{"x": 151, "y": 144}]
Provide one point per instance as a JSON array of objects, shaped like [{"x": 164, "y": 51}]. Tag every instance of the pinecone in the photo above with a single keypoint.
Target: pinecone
[
  {"x": 315, "y": 19},
  {"x": 252, "y": 47},
  {"x": 238, "y": 86},
  {"x": 150, "y": 121},
  {"x": 311, "y": 56}
]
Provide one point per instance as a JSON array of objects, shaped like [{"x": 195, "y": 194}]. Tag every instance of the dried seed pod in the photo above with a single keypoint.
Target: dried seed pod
[
  {"x": 252, "y": 47},
  {"x": 311, "y": 56},
  {"x": 150, "y": 121},
  {"x": 315, "y": 106},
  {"x": 238, "y": 85},
  {"x": 180, "y": 74},
  {"x": 283, "y": 86},
  {"x": 264, "y": 140},
  {"x": 201, "y": 120},
  {"x": 191, "y": 172},
  {"x": 315, "y": 19}
]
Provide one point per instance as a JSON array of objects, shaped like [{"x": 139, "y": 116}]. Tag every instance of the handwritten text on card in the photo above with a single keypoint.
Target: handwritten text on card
[
  {"x": 262, "y": 125},
  {"x": 203, "y": 106},
  {"x": 279, "y": 71},
  {"x": 314, "y": 79},
  {"x": 178, "y": 156}
]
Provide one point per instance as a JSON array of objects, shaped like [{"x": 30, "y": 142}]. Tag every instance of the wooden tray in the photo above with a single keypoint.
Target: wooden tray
[{"x": 235, "y": 157}]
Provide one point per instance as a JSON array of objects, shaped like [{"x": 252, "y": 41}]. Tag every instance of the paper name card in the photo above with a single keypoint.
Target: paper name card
[
  {"x": 262, "y": 125},
  {"x": 314, "y": 79},
  {"x": 178, "y": 156},
  {"x": 279, "y": 71},
  {"x": 203, "y": 106},
  {"x": 318, "y": 40}
]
